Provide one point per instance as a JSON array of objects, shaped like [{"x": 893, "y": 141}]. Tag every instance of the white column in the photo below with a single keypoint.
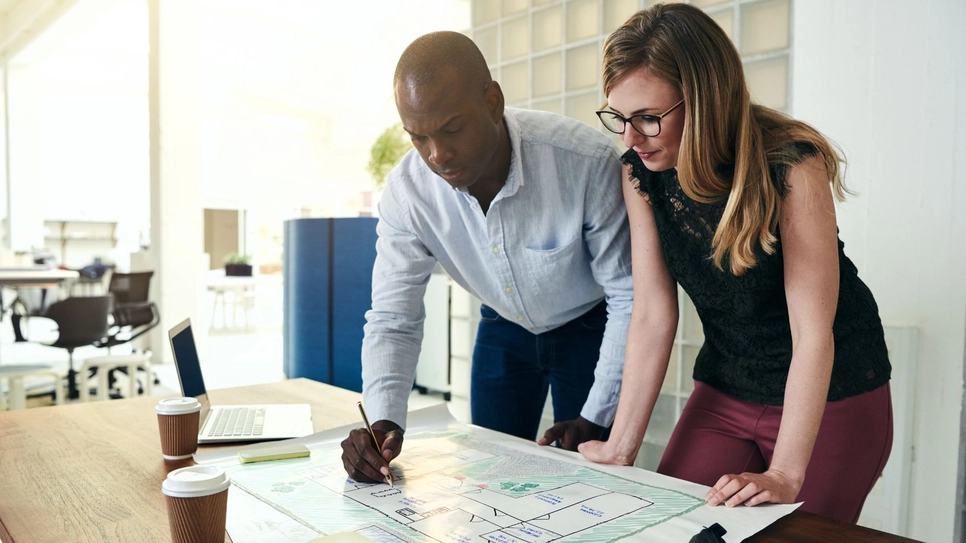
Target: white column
[
  {"x": 177, "y": 223},
  {"x": 25, "y": 197}
]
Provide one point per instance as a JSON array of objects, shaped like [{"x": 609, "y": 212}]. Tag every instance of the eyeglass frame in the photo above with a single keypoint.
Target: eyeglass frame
[{"x": 629, "y": 121}]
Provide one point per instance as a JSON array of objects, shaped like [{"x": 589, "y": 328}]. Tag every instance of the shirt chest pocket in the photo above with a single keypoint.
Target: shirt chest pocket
[{"x": 556, "y": 270}]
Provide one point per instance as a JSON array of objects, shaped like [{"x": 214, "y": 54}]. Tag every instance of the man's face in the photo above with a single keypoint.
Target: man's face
[{"x": 455, "y": 127}]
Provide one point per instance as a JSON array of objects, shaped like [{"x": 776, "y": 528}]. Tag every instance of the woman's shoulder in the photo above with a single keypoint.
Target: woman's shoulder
[
  {"x": 638, "y": 174},
  {"x": 786, "y": 156}
]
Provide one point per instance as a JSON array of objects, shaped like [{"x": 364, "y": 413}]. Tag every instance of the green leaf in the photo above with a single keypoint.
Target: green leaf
[{"x": 386, "y": 152}]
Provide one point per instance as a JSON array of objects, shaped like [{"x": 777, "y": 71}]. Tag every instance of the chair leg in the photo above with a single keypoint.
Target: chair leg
[
  {"x": 148, "y": 377},
  {"x": 72, "y": 391},
  {"x": 103, "y": 389},
  {"x": 17, "y": 394},
  {"x": 85, "y": 394},
  {"x": 58, "y": 391}
]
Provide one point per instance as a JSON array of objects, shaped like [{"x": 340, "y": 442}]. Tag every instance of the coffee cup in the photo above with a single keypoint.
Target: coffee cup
[
  {"x": 178, "y": 424},
  {"x": 197, "y": 502}
]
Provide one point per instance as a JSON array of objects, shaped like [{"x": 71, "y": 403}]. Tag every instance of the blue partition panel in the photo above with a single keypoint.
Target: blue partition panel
[
  {"x": 305, "y": 324},
  {"x": 354, "y": 244},
  {"x": 328, "y": 284}
]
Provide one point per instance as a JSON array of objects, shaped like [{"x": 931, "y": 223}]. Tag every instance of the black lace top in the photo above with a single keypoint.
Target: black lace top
[{"x": 748, "y": 343}]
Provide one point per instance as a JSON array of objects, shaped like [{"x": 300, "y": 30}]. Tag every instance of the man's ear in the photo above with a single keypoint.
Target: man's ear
[{"x": 494, "y": 101}]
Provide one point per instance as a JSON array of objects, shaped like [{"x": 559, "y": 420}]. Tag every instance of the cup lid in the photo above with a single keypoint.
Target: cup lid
[
  {"x": 195, "y": 481},
  {"x": 177, "y": 406}
]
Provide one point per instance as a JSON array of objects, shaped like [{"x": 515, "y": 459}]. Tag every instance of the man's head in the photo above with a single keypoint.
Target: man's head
[{"x": 450, "y": 107}]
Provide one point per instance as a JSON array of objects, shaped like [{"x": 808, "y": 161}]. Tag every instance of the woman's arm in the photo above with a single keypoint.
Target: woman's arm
[
  {"x": 810, "y": 246},
  {"x": 654, "y": 318}
]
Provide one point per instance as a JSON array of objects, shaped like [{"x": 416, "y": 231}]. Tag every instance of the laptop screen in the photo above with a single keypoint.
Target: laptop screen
[{"x": 187, "y": 363}]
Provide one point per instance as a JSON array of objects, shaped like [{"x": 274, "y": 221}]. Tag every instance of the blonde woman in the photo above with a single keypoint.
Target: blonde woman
[{"x": 735, "y": 202}]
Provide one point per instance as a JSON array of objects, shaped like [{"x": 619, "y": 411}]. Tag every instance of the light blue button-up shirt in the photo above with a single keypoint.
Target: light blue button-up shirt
[{"x": 554, "y": 243}]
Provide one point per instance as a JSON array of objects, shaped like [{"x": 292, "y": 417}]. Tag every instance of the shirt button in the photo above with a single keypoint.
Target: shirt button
[
  {"x": 496, "y": 250},
  {"x": 507, "y": 290},
  {"x": 519, "y": 319}
]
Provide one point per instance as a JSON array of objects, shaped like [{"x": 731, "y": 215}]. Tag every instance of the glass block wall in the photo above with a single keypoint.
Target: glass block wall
[{"x": 546, "y": 55}]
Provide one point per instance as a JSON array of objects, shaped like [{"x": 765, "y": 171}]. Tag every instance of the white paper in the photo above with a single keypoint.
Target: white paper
[
  {"x": 434, "y": 417},
  {"x": 462, "y": 483},
  {"x": 252, "y": 521}
]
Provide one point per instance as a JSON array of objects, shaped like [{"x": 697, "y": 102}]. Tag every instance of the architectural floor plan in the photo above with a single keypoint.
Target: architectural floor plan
[
  {"x": 458, "y": 483},
  {"x": 451, "y": 487}
]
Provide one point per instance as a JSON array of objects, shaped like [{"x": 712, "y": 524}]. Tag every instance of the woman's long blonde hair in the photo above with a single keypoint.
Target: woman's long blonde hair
[{"x": 683, "y": 45}]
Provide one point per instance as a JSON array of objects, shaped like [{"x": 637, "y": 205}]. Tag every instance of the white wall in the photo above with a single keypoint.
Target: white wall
[
  {"x": 294, "y": 95},
  {"x": 79, "y": 125},
  {"x": 290, "y": 102},
  {"x": 886, "y": 80}
]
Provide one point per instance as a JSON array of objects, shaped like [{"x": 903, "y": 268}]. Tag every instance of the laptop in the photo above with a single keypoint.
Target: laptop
[{"x": 225, "y": 423}]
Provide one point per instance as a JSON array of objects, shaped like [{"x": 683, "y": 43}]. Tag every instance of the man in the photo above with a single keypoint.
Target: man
[{"x": 524, "y": 210}]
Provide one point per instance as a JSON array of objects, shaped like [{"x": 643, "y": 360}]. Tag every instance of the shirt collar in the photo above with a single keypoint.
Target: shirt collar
[{"x": 514, "y": 179}]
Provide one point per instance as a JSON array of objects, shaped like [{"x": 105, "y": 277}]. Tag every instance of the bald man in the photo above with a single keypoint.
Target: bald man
[{"x": 523, "y": 209}]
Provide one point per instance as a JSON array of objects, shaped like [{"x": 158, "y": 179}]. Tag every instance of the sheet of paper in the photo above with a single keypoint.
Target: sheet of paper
[
  {"x": 461, "y": 483},
  {"x": 436, "y": 416},
  {"x": 251, "y": 520},
  {"x": 349, "y": 537}
]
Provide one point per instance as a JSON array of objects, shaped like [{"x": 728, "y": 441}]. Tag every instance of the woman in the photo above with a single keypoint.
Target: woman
[{"x": 734, "y": 201}]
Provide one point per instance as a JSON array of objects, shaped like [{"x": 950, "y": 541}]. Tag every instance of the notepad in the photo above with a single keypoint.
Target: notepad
[{"x": 273, "y": 452}]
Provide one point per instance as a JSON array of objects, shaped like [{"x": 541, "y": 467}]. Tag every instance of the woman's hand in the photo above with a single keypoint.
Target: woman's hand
[
  {"x": 750, "y": 489},
  {"x": 605, "y": 452}
]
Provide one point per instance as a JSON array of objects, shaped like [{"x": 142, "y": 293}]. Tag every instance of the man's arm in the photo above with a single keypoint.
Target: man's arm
[
  {"x": 394, "y": 325},
  {"x": 393, "y": 336},
  {"x": 607, "y": 237}
]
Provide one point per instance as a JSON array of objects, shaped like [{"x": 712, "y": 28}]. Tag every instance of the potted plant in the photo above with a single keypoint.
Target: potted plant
[
  {"x": 386, "y": 152},
  {"x": 238, "y": 265}
]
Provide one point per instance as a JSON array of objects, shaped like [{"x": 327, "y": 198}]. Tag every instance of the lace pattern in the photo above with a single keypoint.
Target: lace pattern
[{"x": 747, "y": 349}]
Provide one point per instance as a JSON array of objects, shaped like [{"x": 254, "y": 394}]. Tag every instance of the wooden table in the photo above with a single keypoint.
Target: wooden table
[{"x": 92, "y": 472}]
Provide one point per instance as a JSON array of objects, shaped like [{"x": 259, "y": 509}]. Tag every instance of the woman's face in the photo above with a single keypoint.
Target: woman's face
[{"x": 640, "y": 93}]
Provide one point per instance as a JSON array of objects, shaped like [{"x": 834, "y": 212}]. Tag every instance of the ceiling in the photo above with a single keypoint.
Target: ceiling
[{"x": 23, "y": 20}]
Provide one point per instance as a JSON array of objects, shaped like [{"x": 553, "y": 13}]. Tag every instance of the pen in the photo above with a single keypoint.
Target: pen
[{"x": 372, "y": 434}]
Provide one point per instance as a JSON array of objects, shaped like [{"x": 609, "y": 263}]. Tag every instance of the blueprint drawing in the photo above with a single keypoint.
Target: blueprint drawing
[{"x": 453, "y": 487}]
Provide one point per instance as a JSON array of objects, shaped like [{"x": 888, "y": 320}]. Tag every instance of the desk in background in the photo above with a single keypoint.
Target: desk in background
[
  {"x": 92, "y": 472},
  {"x": 240, "y": 291},
  {"x": 34, "y": 277}
]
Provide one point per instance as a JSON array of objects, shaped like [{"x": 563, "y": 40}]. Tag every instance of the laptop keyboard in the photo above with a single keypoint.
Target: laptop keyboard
[{"x": 238, "y": 422}]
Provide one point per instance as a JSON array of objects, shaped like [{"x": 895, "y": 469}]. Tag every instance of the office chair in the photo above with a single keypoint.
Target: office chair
[
  {"x": 81, "y": 321},
  {"x": 130, "y": 288},
  {"x": 133, "y": 314}
]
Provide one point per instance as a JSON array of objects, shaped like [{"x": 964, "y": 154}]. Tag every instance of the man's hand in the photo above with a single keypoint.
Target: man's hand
[
  {"x": 359, "y": 456},
  {"x": 571, "y": 433}
]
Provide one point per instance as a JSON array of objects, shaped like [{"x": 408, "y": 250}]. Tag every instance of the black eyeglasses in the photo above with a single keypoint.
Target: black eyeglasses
[{"x": 646, "y": 125}]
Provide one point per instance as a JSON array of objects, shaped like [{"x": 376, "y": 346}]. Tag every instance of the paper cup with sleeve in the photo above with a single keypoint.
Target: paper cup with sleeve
[
  {"x": 197, "y": 501},
  {"x": 178, "y": 424}
]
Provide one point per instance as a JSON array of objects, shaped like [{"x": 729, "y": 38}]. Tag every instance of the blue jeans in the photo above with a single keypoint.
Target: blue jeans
[{"x": 513, "y": 368}]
